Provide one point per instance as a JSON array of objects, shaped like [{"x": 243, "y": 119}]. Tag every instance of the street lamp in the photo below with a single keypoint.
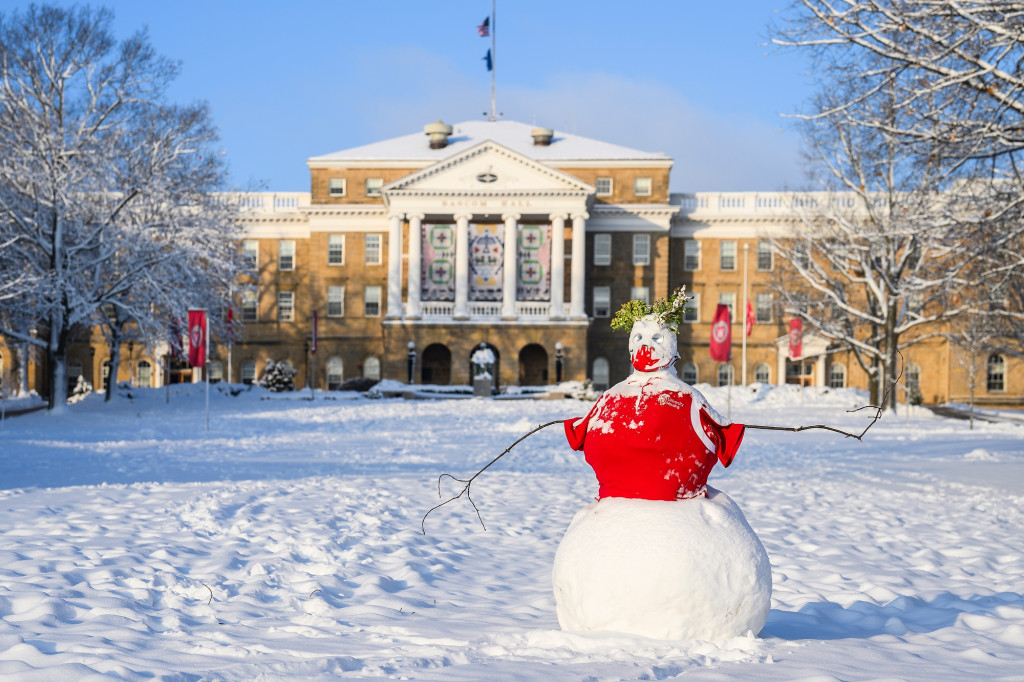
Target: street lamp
[
  {"x": 559, "y": 362},
  {"x": 411, "y": 362}
]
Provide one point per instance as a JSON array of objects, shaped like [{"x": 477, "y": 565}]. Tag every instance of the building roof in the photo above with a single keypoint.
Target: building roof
[{"x": 564, "y": 147}]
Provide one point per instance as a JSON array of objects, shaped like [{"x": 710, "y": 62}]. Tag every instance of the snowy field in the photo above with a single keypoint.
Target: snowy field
[{"x": 285, "y": 543}]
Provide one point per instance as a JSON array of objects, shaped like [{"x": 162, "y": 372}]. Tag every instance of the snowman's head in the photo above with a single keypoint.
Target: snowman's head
[{"x": 652, "y": 343}]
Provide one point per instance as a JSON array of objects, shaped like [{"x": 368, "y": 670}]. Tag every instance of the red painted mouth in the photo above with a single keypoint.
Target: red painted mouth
[{"x": 643, "y": 361}]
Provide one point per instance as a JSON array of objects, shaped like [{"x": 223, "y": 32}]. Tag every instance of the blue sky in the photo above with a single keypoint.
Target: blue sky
[{"x": 285, "y": 81}]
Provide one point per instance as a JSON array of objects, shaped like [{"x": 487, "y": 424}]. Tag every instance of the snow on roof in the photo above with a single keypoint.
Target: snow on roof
[{"x": 512, "y": 134}]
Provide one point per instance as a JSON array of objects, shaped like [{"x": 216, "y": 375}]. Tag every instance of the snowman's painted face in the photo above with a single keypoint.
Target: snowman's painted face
[{"x": 652, "y": 345}]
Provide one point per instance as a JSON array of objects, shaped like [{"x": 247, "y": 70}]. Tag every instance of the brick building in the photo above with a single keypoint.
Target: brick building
[{"x": 525, "y": 240}]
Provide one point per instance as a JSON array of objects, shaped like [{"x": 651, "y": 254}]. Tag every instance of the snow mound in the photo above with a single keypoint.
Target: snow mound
[
  {"x": 687, "y": 569},
  {"x": 980, "y": 455}
]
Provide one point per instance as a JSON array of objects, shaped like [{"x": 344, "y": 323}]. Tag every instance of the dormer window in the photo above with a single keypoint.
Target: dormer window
[{"x": 336, "y": 187}]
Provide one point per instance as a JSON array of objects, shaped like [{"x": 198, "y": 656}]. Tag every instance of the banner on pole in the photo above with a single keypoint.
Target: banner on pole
[
  {"x": 796, "y": 338},
  {"x": 750, "y": 318},
  {"x": 721, "y": 334},
  {"x": 197, "y": 338}
]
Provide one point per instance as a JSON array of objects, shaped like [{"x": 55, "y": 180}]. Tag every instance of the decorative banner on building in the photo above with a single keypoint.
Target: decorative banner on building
[
  {"x": 438, "y": 276},
  {"x": 533, "y": 281},
  {"x": 796, "y": 338},
  {"x": 486, "y": 254}
]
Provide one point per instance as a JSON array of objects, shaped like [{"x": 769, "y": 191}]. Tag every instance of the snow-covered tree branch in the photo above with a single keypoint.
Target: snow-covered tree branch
[{"x": 107, "y": 198}]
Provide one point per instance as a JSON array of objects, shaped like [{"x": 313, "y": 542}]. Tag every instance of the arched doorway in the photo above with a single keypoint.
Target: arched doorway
[
  {"x": 495, "y": 371},
  {"x": 533, "y": 365},
  {"x": 436, "y": 365}
]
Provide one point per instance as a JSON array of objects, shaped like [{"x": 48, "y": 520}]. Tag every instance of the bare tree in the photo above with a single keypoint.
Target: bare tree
[
  {"x": 915, "y": 133},
  {"x": 102, "y": 183}
]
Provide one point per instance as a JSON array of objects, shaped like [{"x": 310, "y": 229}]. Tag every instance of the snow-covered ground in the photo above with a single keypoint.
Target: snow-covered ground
[{"x": 285, "y": 543}]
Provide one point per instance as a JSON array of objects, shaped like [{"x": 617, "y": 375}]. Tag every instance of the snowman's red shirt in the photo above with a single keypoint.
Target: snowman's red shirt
[{"x": 653, "y": 437}]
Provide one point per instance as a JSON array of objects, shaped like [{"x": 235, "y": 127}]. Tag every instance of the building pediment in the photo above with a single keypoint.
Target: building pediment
[{"x": 487, "y": 170}]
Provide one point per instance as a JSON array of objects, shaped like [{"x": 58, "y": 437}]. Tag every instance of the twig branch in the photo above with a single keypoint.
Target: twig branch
[{"x": 469, "y": 481}]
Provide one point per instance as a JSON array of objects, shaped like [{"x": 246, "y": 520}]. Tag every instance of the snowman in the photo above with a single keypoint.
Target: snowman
[{"x": 659, "y": 553}]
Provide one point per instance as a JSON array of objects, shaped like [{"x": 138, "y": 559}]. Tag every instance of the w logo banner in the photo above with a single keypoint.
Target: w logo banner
[{"x": 197, "y": 338}]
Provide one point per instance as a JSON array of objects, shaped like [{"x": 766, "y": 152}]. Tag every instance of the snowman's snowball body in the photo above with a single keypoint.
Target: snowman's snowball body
[{"x": 683, "y": 569}]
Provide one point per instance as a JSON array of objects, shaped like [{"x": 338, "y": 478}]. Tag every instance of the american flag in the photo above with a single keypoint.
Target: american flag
[{"x": 484, "y": 29}]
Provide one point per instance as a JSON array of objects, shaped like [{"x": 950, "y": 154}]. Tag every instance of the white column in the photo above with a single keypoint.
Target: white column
[
  {"x": 781, "y": 352},
  {"x": 578, "y": 275},
  {"x": 510, "y": 266},
  {"x": 415, "y": 283},
  {"x": 558, "y": 267},
  {"x": 394, "y": 308},
  {"x": 819, "y": 369},
  {"x": 461, "y": 267}
]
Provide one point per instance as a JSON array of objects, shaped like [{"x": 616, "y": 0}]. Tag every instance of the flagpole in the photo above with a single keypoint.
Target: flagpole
[
  {"x": 743, "y": 354},
  {"x": 494, "y": 53},
  {"x": 206, "y": 367}
]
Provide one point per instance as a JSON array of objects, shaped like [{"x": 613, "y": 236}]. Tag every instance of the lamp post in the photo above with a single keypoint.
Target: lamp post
[
  {"x": 411, "y": 362},
  {"x": 559, "y": 362}
]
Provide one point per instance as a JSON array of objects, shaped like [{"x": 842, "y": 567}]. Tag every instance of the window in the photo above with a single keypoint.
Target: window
[
  {"x": 725, "y": 374},
  {"x": 764, "y": 255},
  {"x": 601, "y": 376},
  {"x": 837, "y": 375},
  {"x": 248, "y": 372},
  {"x": 249, "y": 306},
  {"x": 913, "y": 384},
  {"x": 373, "y": 249},
  {"x": 336, "y": 187},
  {"x": 251, "y": 253},
  {"x": 764, "y": 307},
  {"x": 691, "y": 254},
  {"x": 692, "y": 313},
  {"x": 690, "y": 373},
  {"x": 729, "y": 299},
  {"x": 371, "y": 368},
  {"x": 335, "y": 301},
  {"x": 285, "y": 306},
  {"x": 915, "y": 302},
  {"x": 216, "y": 371},
  {"x": 763, "y": 374},
  {"x": 371, "y": 301},
  {"x": 728, "y": 255},
  {"x": 641, "y": 249},
  {"x": 373, "y": 186},
  {"x": 335, "y": 249},
  {"x": 286, "y": 255},
  {"x": 335, "y": 373},
  {"x": 603, "y": 186},
  {"x": 143, "y": 374},
  {"x": 641, "y": 294},
  {"x": 602, "y": 249},
  {"x": 802, "y": 255},
  {"x": 602, "y": 301},
  {"x": 642, "y": 187},
  {"x": 995, "y": 379}
]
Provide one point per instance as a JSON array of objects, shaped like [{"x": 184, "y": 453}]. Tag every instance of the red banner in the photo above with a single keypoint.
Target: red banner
[
  {"x": 796, "y": 338},
  {"x": 197, "y": 338},
  {"x": 721, "y": 334},
  {"x": 750, "y": 317}
]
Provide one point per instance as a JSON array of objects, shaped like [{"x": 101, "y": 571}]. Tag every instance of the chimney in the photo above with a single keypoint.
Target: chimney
[
  {"x": 542, "y": 136},
  {"x": 438, "y": 133}
]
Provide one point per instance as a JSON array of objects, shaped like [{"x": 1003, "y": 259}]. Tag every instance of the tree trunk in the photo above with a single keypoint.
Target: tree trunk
[
  {"x": 56, "y": 356},
  {"x": 891, "y": 359},
  {"x": 115, "y": 362}
]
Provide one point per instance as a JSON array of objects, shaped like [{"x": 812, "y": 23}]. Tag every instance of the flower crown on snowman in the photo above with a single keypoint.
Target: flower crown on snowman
[{"x": 667, "y": 311}]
